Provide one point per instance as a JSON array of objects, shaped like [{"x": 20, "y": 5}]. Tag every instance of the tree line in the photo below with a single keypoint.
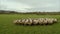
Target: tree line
[{"x": 37, "y": 13}]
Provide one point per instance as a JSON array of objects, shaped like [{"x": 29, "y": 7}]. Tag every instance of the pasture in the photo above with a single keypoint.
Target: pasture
[{"x": 7, "y": 26}]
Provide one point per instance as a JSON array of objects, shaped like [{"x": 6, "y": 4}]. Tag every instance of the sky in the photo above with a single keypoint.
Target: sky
[{"x": 30, "y": 5}]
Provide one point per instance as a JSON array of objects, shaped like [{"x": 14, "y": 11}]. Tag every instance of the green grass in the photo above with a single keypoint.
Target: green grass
[{"x": 7, "y": 26}]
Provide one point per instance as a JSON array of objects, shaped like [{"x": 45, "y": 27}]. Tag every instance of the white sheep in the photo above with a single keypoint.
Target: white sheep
[
  {"x": 35, "y": 21},
  {"x": 22, "y": 21},
  {"x": 50, "y": 21},
  {"x": 26, "y": 22},
  {"x": 55, "y": 20},
  {"x": 15, "y": 21},
  {"x": 40, "y": 21},
  {"x": 30, "y": 22},
  {"x": 45, "y": 21}
]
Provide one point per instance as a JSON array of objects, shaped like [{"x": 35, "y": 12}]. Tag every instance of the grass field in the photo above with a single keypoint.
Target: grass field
[{"x": 7, "y": 26}]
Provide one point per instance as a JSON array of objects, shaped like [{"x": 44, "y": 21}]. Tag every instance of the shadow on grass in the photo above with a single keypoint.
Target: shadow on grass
[{"x": 35, "y": 25}]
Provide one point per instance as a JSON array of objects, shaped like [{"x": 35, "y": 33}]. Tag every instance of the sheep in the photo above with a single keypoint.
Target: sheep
[
  {"x": 45, "y": 21},
  {"x": 40, "y": 21},
  {"x": 35, "y": 21},
  {"x": 20, "y": 22},
  {"x": 15, "y": 21},
  {"x": 23, "y": 21},
  {"x": 55, "y": 20},
  {"x": 26, "y": 22},
  {"x": 30, "y": 22},
  {"x": 50, "y": 21}
]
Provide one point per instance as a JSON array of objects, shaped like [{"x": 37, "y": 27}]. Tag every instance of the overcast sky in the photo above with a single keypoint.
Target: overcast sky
[{"x": 30, "y": 5}]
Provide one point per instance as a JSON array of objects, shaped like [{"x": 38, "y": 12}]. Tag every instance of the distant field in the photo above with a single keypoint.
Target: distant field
[{"x": 7, "y": 26}]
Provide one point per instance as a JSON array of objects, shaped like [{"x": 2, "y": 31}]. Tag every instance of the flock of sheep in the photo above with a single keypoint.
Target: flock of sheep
[{"x": 35, "y": 21}]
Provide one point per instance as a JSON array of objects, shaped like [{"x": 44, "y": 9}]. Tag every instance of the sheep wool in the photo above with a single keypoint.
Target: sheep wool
[{"x": 35, "y": 21}]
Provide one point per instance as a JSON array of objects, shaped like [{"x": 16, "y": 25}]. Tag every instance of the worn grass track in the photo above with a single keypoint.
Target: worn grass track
[{"x": 7, "y": 26}]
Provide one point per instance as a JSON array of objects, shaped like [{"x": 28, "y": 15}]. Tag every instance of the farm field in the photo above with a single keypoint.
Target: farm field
[{"x": 7, "y": 26}]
